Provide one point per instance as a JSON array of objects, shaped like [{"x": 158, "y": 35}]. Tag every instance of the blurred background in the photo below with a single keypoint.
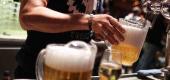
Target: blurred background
[
  {"x": 9, "y": 24},
  {"x": 11, "y": 35}
]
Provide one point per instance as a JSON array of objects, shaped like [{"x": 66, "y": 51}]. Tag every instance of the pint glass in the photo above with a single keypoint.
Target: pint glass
[
  {"x": 73, "y": 61},
  {"x": 134, "y": 38},
  {"x": 110, "y": 66}
]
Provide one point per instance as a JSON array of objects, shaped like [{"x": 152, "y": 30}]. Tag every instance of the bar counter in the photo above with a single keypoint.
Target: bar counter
[
  {"x": 11, "y": 46},
  {"x": 131, "y": 76}
]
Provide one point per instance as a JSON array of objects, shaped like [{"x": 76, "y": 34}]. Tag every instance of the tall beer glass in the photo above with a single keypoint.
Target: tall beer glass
[
  {"x": 110, "y": 66},
  {"x": 73, "y": 61},
  {"x": 134, "y": 38}
]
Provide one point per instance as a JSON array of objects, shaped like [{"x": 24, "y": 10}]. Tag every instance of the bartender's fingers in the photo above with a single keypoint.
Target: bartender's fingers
[
  {"x": 97, "y": 29},
  {"x": 118, "y": 34},
  {"x": 105, "y": 33},
  {"x": 112, "y": 31},
  {"x": 107, "y": 27},
  {"x": 110, "y": 38},
  {"x": 119, "y": 30},
  {"x": 116, "y": 24}
]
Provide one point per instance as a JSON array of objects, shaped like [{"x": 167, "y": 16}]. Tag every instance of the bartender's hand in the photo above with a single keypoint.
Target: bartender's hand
[{"x": 107, "y": 28}]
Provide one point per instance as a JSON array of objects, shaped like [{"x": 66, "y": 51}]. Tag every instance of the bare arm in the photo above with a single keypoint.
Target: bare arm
[{"x": 35, "y": 16}]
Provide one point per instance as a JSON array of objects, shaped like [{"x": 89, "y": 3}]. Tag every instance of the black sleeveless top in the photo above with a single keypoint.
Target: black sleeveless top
[{"x": 36, "y": 41}]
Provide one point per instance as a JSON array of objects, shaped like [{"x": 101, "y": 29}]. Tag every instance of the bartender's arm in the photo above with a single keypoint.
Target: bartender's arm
[{"x": 34, "y": 15}]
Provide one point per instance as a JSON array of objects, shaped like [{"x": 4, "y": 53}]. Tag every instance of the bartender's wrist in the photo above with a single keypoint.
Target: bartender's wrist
[
  {"x": 90, "y": 22},
  {"x": 84, "y": 21},
  {"x": 87, "y": 21},
  {"x": 90, "y": 25}
]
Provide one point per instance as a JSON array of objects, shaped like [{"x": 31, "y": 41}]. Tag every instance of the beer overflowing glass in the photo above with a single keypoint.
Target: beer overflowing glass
[
  {"x": 73, "y": 61},
  {"x": 135, "y": 35}
]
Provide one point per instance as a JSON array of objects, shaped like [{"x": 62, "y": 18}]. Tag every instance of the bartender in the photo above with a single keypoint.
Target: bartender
[{"x": 60, "y": 21}]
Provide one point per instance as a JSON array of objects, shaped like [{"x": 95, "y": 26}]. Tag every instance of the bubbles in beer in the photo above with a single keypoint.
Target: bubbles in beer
[{"x": 129, "y": 53}]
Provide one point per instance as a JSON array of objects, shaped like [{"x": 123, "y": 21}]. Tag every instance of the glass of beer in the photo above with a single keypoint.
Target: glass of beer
[
  {"x": 73, "y": 61},
  {"x": 110, "y": 66},
  {"x": 131, "y": 47}
]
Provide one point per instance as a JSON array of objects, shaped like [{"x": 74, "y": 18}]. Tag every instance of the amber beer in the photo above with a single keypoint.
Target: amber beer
[
  {"x": 130, "y": 53},
  {"x": 131, "y": 47},
  {"x": 70, "y": 64},
  {"x": 53, "y": 74}
]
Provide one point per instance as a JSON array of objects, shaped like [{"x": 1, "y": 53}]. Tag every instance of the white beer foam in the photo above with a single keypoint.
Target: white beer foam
[
  {"x": 68, "y": 59},
  {"x": 134, "y": 36}
]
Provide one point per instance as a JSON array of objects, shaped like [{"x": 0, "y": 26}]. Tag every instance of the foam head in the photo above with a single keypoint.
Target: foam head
[
  {"x": 68, "y": 59},
  {"x": 134, "y": 35}
]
